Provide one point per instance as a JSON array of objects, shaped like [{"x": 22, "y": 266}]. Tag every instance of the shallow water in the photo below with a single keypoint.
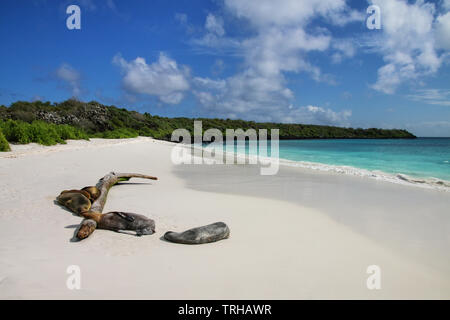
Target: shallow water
[{"x": 420, "y": 158}]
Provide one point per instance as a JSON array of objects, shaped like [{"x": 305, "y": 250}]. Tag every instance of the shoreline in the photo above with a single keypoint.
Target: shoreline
[
  {"x": 397, "y": 178},
  {"x": 379, "y": 175}
]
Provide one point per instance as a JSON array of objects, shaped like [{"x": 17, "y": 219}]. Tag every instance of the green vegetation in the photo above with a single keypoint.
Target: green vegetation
[
  {"x": 120, "y": 133},
  {"x": 48, "y": 124},
  {"x": 4, "y": 145},
  {"x": 17, "y": 131}
]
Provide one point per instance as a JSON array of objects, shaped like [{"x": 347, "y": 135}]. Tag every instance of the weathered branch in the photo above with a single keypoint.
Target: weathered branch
[
  {"x": 105, "y": 183},
  {"x": 89, "y": 224}
]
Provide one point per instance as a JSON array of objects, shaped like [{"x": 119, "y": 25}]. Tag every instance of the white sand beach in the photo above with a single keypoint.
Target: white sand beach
[{"x": 301, "y": 234}]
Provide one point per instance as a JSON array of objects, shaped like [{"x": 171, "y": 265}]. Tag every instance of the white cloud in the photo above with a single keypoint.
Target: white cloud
[
  {"x": 407, "y": 42},
  {"x": 250, "y": 97},
  {"x": 317, "y": 115},
  {"x": 446, "y": 4},
  {"x": 214, "y": 25},
  {"x": 70, "y": 77},
  {"x": 214, "y": 37},
  {"x": 345, "y": 48},
  {"x": 279, "y": 44},
  {"x": 432, "y": 96},
  {"x": 247, "y": 95},
  {"x": 347, "y": 15},
  {"x": 162, "y": 78},
  {"x": 268, "y": 13},
  {"x": 443, "y": 31}
]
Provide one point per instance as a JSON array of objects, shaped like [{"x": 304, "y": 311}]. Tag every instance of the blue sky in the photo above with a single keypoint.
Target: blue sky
[{"x": 309, "y": 61}]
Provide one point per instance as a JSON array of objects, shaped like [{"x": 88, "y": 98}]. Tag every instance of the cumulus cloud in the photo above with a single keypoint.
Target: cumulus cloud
[
  {"x": 163, "y": 78},
  {"x": 408, "y": 42},
  {"x": 279, "y": 43},
  {"x": 70, "y": 78},
  {"x": 246, "y": 95},
  {"x": 446, "y": 4},
  {"x": 443, "y": 31},
  {"x": 214, "y": 37},
  {"x": 250, "y": 97}
]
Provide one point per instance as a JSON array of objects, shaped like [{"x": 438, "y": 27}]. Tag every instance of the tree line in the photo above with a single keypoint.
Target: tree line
[{"x": 50, "y": 123}]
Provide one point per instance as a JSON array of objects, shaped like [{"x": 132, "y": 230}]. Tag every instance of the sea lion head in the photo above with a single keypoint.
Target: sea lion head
[
  {"x": 75, "y": 201},
  {"x": 86, "y": 229},
  {"x": 94, "y": 192},
  {"x": 84, "y": 193}
]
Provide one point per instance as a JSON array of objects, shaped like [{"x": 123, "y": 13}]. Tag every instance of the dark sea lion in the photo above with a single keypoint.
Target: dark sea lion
[
  {"x": 117, "y": 221},
  {"x": 94, "y": 192},
  {"x": 206, "y": 234},
  {"x": 75, "y": 201}
]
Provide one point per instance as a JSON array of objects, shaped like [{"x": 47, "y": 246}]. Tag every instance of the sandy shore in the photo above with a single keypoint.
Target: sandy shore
[{"x": 298, "y": 235}]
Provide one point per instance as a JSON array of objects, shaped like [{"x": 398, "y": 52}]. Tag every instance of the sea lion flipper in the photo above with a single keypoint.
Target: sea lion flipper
[{"x": 125, "y": 216}]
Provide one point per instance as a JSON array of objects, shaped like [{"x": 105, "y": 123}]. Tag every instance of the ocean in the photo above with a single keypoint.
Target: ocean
[{"x": 421, "y": 158}]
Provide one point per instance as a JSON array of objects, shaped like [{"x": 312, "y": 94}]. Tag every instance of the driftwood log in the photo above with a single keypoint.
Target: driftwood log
[{"x": 95, "y": 218}]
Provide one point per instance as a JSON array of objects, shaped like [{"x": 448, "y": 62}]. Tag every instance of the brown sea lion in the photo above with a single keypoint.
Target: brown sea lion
[
  {"x": 84, "y": 193},
  {"x": 86, "y": 228},
  {"x": 205, "y": 234},
  {"x": 117, "y": 221},
  {"x": 75, "y": 201},
  {"x": 94, "y": 192}
]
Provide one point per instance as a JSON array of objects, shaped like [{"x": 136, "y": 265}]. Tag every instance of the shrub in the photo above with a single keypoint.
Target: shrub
[
  {"x": 121, "y": 133},
  {"x": 4, "y": 145},
  {"x": 67, "y": 132},
  {"x": 41, "y": 132},
  {"x": 16, "y": 131}
]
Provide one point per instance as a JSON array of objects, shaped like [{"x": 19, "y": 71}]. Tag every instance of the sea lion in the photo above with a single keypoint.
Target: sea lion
[
  {"x": 84, "y": 193},
  {"x": 117, "y": 221},
  {"x": 75, "y": 201},
  {"x": 86, "y": 228},
  {"x": 205, "y": 234},
  {"x": 94, "y": 192}
]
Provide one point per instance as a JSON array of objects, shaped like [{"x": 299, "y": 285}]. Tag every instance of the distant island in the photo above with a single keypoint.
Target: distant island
[{"x": 46, "y": 123}]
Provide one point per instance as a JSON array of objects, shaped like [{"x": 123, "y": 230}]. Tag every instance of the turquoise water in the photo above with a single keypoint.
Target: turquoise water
[{"x": 422, "y": 157}]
